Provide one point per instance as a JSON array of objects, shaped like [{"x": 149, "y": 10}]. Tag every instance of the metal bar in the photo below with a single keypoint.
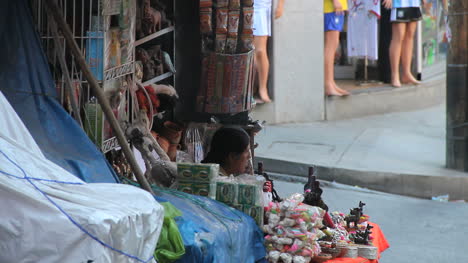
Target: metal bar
[
  {"x": 55, "y": 11},
  {"x": 155, "y": 35},
  {"x": 158, "y": 78},
  {"x": 66, "y": 73}
]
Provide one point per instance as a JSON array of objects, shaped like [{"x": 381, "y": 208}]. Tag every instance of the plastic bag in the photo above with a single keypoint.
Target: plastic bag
[
  {"x": 194, "y": 144},
  {"x": 171, "y": 245}
]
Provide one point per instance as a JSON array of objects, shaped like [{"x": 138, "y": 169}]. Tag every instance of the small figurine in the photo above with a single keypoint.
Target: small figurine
[
  {"x": 355, "y": 215},
  {"x": 362, "y": 237},
  {"x": 313, "y": 192},
  {"x": 152, "y": 19},
  {"x": 149, "y": 67}
]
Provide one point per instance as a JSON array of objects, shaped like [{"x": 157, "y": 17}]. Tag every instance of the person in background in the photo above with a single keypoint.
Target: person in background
[
  {"x": 261, "y": 32},
  {"x": 230, "y": 148},
  {"x": 333, "y": 22},
  {"x": 404, "y": 16}
]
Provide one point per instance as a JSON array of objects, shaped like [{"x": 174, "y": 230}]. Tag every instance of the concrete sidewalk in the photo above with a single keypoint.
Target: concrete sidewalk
[{"x": 401, "y": 153}]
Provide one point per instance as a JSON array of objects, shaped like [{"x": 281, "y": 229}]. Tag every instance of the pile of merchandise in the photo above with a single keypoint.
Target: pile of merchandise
[
  {"x": 293, "y": 230},
  {"x": 227, "y": 69},
  {"x": 243, "y": 192},
  {"x": 229, "y": 23},
  {"x": 300, "y": 233}
]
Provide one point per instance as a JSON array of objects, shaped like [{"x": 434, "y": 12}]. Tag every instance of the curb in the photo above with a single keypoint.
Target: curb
[{"x": 421, "y": 186}]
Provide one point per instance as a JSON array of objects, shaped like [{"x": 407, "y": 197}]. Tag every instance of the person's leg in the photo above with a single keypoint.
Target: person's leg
[
  {"x": 398, "y": 33},
  {"x": 332, "y": 38},
  {"x": 262, "y": 65},
  {"x": 407, "y": 54}
]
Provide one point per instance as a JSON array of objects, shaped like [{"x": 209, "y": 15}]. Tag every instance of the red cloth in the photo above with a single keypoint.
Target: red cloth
[
  {"x": 143, "y": 102},
  {"x": 378, "y": 240}
]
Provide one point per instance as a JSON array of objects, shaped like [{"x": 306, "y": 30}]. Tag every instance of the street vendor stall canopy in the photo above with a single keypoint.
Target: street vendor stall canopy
[{"x": 26, "y": 83}]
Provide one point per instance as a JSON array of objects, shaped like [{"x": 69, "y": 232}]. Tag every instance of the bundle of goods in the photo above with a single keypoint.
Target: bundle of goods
[
  {"x": 293, "y": 230},
  {"x": 243, "y": 192},
  {"x": 197, "y": 179},
  {"x": 227, "y": 65}
]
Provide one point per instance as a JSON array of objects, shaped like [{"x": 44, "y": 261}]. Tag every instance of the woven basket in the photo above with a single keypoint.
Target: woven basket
[{"x": 226, "y": 83}]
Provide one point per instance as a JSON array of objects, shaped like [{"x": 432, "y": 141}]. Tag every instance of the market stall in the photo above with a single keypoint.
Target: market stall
[{"x": 212, "y": 214}]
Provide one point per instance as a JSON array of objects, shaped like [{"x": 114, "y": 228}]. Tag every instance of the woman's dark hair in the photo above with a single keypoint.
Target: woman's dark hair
[{"x": 227, "y": 140}]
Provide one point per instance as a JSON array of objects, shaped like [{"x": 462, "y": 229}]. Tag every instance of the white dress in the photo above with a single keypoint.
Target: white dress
[
  {"x": 363, "y": 28},
  {"x": 262, "y": 18}
]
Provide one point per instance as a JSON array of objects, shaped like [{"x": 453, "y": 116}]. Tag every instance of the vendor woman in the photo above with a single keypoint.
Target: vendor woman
[{"x": 230, "y": 148}]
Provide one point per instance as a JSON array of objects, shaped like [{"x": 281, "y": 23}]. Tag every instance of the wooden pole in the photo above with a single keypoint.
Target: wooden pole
[
  {"x": 457, "y": 87},
  {"x": 60, "y": 21}
]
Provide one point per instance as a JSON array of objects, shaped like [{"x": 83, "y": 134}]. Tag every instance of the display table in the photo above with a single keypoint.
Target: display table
[{"x": 378, "y": 240}]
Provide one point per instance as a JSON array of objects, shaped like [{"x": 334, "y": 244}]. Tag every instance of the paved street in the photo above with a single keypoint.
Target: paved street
[
  {"x": 401, "y": 152},
  {"x": 418, "y": 230}
]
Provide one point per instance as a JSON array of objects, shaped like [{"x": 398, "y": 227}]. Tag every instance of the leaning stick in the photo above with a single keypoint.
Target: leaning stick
[{"x": 55, "y": 11}]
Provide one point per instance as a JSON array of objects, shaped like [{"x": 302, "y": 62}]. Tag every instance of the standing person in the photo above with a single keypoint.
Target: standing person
[
  {"x": 404, "y": 16},
  {"x": 333, "y": 22},
  {"x": 261, "y": 32}
]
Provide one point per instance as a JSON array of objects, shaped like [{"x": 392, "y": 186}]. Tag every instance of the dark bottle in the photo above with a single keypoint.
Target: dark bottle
[
  {"x": 311, "y": 181},
  {"x": 260, "y": 168}
]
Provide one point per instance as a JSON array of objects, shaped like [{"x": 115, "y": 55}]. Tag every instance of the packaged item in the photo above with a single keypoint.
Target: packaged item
[
  {"x": 205, "y": 20},
  {"x": 206, "y": 3},
  {"x": 237, "y": 206},
  {"x": 226, "y": 192},
  {"x": 233, "y": 23},
  {"x": 247, "y": 2},
  {"x": 220, "y": 43},
  {"x": 185, "y": 187},
  {"x": 234, "y": 4},
  {"x": 231, "y": 45},
  {"x": 204, "y": 189},
  {"x": 202, "y": 172},
  {"x": 248, "y": 194},
  {"x": 194, "y": 144},
  {"x": 247, "y": 42},
  {"x": 247, "y": 20},
  {"x": 351, "y": 252},
  {"x": 222, "y": 3},
  {"x": 256, "y": 212},
  {"x": 221, "y": 21},
  {"x": 286, "y": 258},
  {"x": 369, "y": 252},
  {"x": 273, "y": 256}
]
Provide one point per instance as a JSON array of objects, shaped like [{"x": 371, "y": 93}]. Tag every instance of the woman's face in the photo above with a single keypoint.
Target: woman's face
[{"x": 238, "y": 162}]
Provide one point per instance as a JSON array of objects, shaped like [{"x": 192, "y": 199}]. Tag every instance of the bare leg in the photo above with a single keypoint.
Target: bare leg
[
  {"x": 331, "y": 44},
  {"x": 398, "y": 33},
  {"x": 407, "y": 54},
  {"x": 263, "y": 66}
]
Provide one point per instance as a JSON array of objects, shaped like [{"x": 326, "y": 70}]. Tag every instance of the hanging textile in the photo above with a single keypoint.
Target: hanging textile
[{"x": 363, "y": 28}]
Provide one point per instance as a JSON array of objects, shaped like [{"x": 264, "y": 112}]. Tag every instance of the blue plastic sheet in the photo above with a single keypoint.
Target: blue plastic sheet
[
  {"x": 26, "y": 82},
  {"x": 214, "y": 232}
]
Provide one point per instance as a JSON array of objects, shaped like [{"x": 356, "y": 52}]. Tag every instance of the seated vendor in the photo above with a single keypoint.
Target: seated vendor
[{"x": 230, "y": 148}]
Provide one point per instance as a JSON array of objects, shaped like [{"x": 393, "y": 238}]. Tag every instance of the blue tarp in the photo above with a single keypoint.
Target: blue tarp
[
  {"x": 211, "y": 231},
  {"x": 26, "y": 82},
  {"x": 214, "y": 232}
]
